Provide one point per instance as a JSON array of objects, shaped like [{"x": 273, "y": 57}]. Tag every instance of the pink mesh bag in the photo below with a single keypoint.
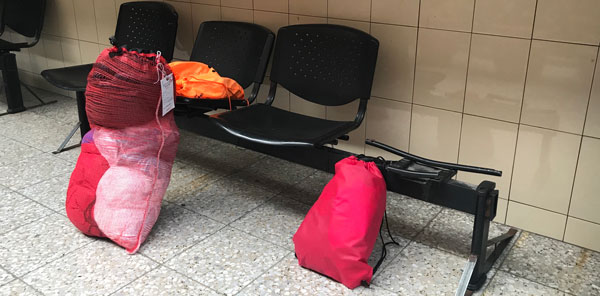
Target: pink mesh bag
[{"x": 123, "y": 104}]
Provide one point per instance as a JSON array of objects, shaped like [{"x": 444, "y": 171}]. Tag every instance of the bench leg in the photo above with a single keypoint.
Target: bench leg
[
  {"x": 83, "y": 120},
  {"x": 487, "y": 200},
  {"x": 61, "y": 148},
  {"x": 12, "y": 86}
]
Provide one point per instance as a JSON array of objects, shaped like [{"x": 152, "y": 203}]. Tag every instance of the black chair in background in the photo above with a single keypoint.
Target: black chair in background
[
  {"x": 25, "y": 17},
  {"x": 329, "y": 65},
  {"x": 146, "y": 25},
  {"x": 236, "y": 50}
]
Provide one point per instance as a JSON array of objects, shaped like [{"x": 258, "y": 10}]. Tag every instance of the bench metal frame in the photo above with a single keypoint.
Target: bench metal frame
[{"x": 437, "y": 187}]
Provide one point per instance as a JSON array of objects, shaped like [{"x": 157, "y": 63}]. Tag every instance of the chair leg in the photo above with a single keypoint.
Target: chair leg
[
  {"x": 85, "y": 124},
  {"x": 12, "y": 85},
  {"x": 61, "y": 148}
]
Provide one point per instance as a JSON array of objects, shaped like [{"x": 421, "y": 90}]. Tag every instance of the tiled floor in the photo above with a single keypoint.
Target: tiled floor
[{"x": 226, "y": 227}]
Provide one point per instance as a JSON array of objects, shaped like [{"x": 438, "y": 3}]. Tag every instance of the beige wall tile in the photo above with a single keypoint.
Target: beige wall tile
[
  {"x": 592, "y": 122},
  {"x": 496, "y": 79},
  {"x": 571, "y": 21},
  {"x": 398, "y": 12},
  {"x": 38, "y": 59},
  {"x": 86, "y": 20},
  {"x": 501, "y": 211},
  {"x": 309, "y": 7},
  {"x": 236, "y": 14},
  {"x": 544, "y": 168},
  {"x": 237, "y": 3},
  {"x": 295, "y": 19},
  {"x": 441, "y": 71},
  {"x": 211, "y": 2},
  {"x": 583, "y": 233},
  {"x": 363, "y": 26},
  {"x": 271, "y": 20},
  {"x": 60, "y": 19},
  {"x": 488, "y": 143},
  {"x": 356, "y": 143},
  {"x": 359, "y": 10},
  {"x": 388, "y": 122},
  {"x": 202, "y": 13},
  {"x": 435, "y": 133},
  {"x": 536, "y": 220},
  {"x": 449, "y": 15},
  {"x": 504, "y": 17},
  {"x": 585, "y": 203},
  {"x": 70, "y": 52},
  {"x": 271, "y": 5},
  {"x": 282, "y": 97},
  {"x": 394, "y": 73},
  {"x": 89, "y": 52},
  {"x": 302, "y": 106},
  {"x": 558, "y": 85},
  {"x": 106, "y": 19},
  {"x": 53, "y": 51},
  {"x": 185, "y": 29}
]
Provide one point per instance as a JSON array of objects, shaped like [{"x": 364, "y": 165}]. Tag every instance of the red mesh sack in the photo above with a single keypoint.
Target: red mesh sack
[
  {"x": 339, "y": 232},
  {"x": 123, "y": 103}
]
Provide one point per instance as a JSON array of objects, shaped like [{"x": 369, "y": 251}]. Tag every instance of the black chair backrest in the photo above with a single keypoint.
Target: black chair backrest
[
  {"x": 25, "y": 17},
  {"x": 235, "y": 49},
  {"x": 326, "y": 64},
  {"x": 147, "y": 25}
]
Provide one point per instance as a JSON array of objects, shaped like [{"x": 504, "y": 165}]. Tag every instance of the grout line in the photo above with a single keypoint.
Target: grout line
[
  {"x": 512, "y": 172},
  {"x": 462, "y": 113},
  {"x": 264, "y": 272},
  {"x": 580, "y": 145},
  {"x": 414, "y": 82}
]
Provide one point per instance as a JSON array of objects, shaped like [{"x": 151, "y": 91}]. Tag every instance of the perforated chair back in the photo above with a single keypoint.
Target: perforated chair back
[
  {"x": 25, "y": 17},
  {"x": 147, "y": 25},
  {"x": 235, "y": 49},
  {"x": 326, "y": 64}
]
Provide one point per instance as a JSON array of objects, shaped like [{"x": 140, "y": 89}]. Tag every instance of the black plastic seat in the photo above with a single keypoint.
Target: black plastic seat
[
  {"x": 325, "y": 64},
  {"x": 25, "y": 17},
  {"x": 147, "y": 26},
  {"x": 235, "y": 50}
]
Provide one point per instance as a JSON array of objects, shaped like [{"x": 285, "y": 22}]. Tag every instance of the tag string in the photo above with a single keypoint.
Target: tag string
[{"x": 160, "y": 68}]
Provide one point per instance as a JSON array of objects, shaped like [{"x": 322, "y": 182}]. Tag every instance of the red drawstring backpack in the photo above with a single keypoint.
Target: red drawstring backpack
[{"x": 339, "y": 232}]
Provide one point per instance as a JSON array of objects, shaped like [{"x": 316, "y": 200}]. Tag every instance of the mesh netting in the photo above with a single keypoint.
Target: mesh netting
[{"x": 123, "y": 100}]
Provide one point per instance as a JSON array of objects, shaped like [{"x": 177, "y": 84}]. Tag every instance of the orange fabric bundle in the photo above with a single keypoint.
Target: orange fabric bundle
[{"x": 197, "y": 80}]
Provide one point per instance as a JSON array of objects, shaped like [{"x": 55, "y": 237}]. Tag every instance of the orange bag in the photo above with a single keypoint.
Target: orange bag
[{"x": 197, "y": 80}]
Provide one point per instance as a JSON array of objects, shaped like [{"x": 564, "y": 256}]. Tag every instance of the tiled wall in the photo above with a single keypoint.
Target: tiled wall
[{"x": 508, "y": 84}]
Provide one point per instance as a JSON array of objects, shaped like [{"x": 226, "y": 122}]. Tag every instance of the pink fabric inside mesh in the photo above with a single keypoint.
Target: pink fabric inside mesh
[{"x": 123, "y": 99}]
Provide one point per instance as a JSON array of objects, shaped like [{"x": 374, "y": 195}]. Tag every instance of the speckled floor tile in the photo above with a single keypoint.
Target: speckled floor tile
[
  {"x": 18, "y": 288},
  {"x": 555, "y": 264},
  {"x": 39, "y": 131},
  {"x": 36, "y": 244},
  {"x": 421, "y": 270},
  {"x": 32, "y": 170},
  {"x": 51, "y": 193},
  {"x": 98, "y": 268},
  {"x": 408, "y": 216},
  {"x": 176, "y": 230},
  {"x": 228, "y": 260},
  {"x": 72, "y": 154},
  {"x": 17, "y": 210},
  {"x": 275, "y": 174},
  {"x": 187, "y": 179},
  {"x": 167, "y": 282},
  {"x": 275, "y": 221},
  {"x": 226, "y": 199},
  {"x": 453, "y": 231},
  {"x": 13, "y": 151},
  {"x": 507, "y": 284},
  {"x": 288, "y": 278},
  {"x": 5, "y": 277},
  {"x": 64, "y": 110},
  {"x": 308, "y": 190}
]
